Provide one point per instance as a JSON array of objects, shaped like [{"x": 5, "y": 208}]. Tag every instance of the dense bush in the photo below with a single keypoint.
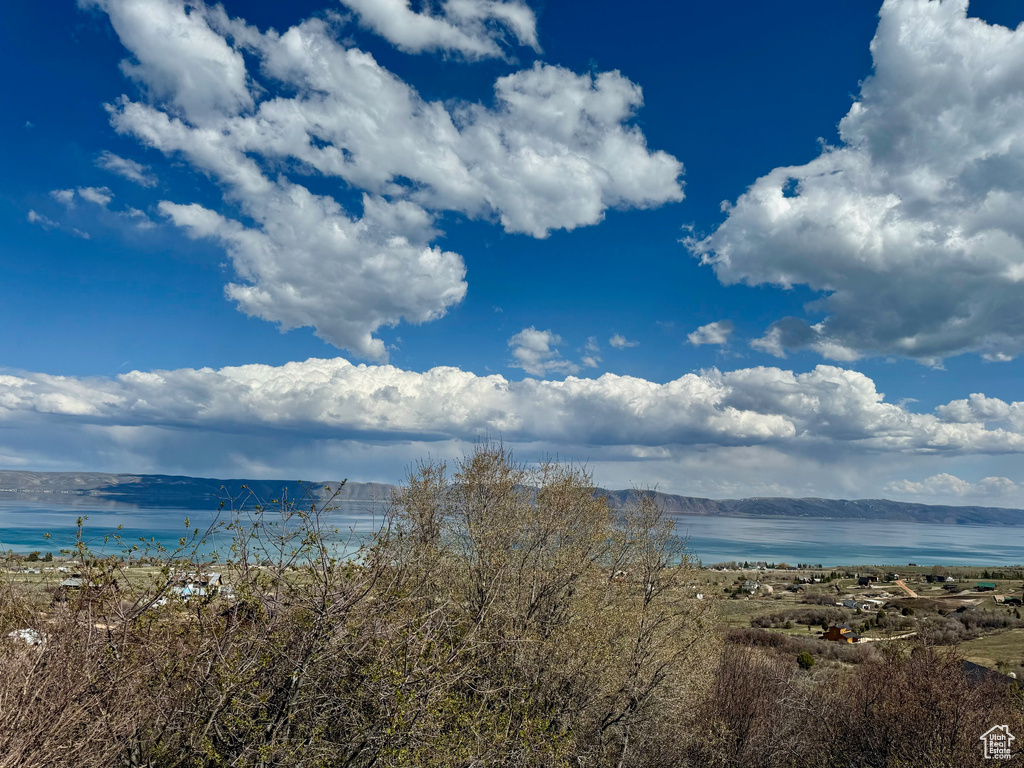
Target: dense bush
[
  {"x": 502, "y": 617},
  {"x": 898, "y": 709},
  {"x": 959, "y": 627},
  {"x": 819, "y": 599},
  {"x": 808, "y": 616},
  {"x": 795, "y": 644}
]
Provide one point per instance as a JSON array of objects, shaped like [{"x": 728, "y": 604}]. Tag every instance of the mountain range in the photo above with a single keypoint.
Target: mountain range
[{"x": 204, "y": 493}]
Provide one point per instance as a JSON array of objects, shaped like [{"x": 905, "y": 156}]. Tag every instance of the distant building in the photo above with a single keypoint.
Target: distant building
[
  {"x": 187, "y": 585},
  {"x": 841, "y": 633},
  {"x": 986, "y": 586},
  {"x": 79, "y": 585}
]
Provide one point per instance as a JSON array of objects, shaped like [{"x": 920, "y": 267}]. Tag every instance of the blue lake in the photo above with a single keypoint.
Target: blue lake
[{"x": 23, "y": 524}]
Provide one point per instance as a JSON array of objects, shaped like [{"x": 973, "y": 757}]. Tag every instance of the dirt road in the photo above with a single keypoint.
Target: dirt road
[
  {"x": 894, "y": 637},
  {"x": 905, "y": 588}
]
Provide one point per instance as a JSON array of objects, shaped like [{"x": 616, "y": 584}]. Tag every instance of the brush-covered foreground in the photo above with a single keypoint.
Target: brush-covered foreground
[{"x": 502, "y": 617}]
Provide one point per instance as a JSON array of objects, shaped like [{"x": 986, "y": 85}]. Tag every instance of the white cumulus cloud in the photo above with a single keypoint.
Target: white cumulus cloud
[
  {"x": 64, "y": 196},
  {"x": 473, "y": 28},
  {"x": 184, "y": 63},
  {"x": 536, "y": 353},
  {"x": 37, "y": 218},
  {"x": 913, "y": 228},
  {"x": 100, "y": 196},
  {"x": 621, "y": 342},
  {"x": 127, "y": 168},
  {"x": 591, "y": 353},
  {"x": 713, "y": 333},
  {"x": 554, "y": 151}
]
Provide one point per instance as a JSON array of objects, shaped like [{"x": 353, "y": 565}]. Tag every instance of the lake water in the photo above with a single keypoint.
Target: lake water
[{"x": 23, "y": 524}]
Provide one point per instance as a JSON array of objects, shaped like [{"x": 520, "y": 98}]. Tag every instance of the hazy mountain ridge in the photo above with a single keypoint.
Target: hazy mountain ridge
[
  {"x": 846, "y": 509},
  {"x": 183, "y": 491},
  {"x": 199, "y": 492}
]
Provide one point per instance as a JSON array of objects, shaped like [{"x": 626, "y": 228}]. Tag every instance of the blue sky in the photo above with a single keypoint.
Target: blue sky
[{"x": 690, "y": 246}]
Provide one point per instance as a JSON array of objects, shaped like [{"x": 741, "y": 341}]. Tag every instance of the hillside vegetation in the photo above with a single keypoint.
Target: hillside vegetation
[{"x": 487, "y": 625}]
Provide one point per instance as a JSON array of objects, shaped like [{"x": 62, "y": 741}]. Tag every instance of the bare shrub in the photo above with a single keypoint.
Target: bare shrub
[
  {"x": 484, "y": 625},
  {"x": 918, "y": 709},
  {"x": 811, "y": 617}
]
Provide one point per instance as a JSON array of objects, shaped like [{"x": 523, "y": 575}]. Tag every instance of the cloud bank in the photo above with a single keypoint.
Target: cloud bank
[
  {"x": 751, "y": 432},
  {"x": 335, "y": 398},
  {"x": 945, "y": 485},
  {"x": 555, "y": 150},
  {"x": 913, "y": 228}
]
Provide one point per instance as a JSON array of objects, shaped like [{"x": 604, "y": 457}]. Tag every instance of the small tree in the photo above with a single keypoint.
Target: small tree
[{"x": 805, "y": 660}]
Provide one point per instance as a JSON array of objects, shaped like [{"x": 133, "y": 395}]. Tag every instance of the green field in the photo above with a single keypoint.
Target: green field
[{"x": 998, "y": 649}]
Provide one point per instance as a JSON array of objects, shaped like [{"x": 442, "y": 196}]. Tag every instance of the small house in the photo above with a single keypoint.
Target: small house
[
  {"x": 79, "y": 585},
  {"x": 841, "y": 633},
  {"x": 191, "y": 584},
  {"x": 986, "y": 586}
]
